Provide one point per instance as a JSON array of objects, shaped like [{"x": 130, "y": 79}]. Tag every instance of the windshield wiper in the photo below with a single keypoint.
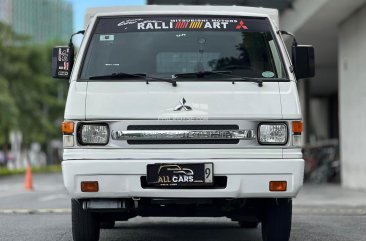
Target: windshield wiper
[
  {"x": 248, "y": 79},
  {"x": 259, "y": 81},
  {"x": 201, "y": 74},
  {"x": 234, "y": 78},
  {"x": 122, "y": 75},
  {"x": 118, "y": 76},
  {"x": 172, "y": 80}
]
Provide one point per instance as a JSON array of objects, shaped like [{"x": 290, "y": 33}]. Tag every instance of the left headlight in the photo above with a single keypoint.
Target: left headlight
[
  {"x": 275, "y": 133},
  {"x": 93, "y": 134}
]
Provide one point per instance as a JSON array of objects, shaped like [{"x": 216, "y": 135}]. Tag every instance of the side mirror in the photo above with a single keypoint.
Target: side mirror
[
  {"x": 62, "y": 62},
  {"x": 303, "y": 59}
]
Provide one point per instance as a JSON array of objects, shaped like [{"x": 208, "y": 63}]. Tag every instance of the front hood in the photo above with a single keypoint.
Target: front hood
[{"x": 157, "y": 100}]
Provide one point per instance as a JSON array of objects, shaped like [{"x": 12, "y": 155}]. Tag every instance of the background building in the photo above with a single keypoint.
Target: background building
[
  {"x": 43, "y": 20},
  {"x": 334, "y": 101},
  {"x": 6, "y": 11}
]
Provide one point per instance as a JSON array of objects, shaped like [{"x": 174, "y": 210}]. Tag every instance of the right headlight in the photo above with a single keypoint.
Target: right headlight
[
  {"x": 272, "y": 133},
  {"x": 93, "y": 134}
]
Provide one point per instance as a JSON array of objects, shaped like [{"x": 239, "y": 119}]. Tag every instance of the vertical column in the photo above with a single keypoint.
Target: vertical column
[{"x": 352, "y": 98}]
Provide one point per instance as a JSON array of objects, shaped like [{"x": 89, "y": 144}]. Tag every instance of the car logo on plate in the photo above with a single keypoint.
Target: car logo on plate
[
  {"x": 176, "y": 169},
  {"x": 182, "y": 105}
]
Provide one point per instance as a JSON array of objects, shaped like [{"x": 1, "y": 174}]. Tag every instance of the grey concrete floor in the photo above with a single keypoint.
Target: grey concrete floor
[{"x": 321, "y": 213}]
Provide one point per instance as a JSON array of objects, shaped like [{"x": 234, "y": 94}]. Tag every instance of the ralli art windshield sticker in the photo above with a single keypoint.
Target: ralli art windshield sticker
[
  {"x": 149, "y": 24},
  {"x": 184, "y": 24}
]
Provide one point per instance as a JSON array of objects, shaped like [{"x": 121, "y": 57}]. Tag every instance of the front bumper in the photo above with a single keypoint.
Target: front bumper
[{"x": 246, "y": 178}]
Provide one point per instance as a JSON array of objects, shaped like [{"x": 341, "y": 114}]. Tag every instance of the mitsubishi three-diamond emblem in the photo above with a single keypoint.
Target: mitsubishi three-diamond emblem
[{"x": 182, "y": 105}]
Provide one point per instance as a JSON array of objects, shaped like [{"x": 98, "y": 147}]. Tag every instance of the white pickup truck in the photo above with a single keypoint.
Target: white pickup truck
[{"x": 183, "y": 111}]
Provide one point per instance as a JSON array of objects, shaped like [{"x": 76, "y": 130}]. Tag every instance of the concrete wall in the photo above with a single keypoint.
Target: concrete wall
[{"x": 352, "y": 98}]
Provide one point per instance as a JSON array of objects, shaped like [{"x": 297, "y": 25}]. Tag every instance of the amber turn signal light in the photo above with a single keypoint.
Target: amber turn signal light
[
  {"x": 67, "y": 127},
  {"x": 90, "y": 186},
  {"x": 297, "y": 127},
  {"x": 278, "y": 186}
]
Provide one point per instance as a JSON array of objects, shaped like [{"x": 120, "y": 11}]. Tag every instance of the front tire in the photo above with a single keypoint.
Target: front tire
[
  {"x": 276, "y": 223},
  {"x": 85, "y": 225}
]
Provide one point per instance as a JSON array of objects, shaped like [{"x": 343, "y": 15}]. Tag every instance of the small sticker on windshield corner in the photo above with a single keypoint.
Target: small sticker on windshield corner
[{"x": 106, "y": 38}]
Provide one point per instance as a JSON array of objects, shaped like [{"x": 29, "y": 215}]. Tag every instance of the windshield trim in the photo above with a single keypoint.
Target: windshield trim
[
  {"x": 273, "y": 33},
  {"x": 228, "y": 79}
]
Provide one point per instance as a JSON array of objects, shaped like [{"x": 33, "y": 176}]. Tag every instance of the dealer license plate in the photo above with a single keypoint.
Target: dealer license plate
[{"x": 188, "y": 174}]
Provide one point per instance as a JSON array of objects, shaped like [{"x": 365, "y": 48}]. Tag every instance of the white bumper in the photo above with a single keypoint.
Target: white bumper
[{"x": 246, "y": 178}]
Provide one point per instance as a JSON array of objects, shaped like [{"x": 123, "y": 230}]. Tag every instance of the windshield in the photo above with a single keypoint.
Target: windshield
[{"x": 163, "y": 46}]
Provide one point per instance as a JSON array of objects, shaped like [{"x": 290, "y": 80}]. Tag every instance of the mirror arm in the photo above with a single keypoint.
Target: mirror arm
[
  {"x": 72, "y": 48},
  {"x": 71, "y": 44},
  {"x": 294, "y": 44},
  {"x": 283, "y": 32}
]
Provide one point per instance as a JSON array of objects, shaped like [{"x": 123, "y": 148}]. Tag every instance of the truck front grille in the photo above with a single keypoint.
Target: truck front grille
[{"x": 182, "y": 128}]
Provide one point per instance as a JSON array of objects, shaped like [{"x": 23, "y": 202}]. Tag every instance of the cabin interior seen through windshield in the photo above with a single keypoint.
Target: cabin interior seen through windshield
[{"x": 164, "y": 46}]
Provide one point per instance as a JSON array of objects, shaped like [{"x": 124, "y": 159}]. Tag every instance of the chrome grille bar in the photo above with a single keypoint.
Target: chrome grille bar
[{"x": 184, "y": 135}]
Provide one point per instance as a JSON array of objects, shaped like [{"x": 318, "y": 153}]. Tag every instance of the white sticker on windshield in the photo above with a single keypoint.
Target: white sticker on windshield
[
  {"x": 111, "y": 64},
  {"x": 129, "y": 21},
  {"x": 268, "y": 74},
  {"x": 106, "y": 38}
]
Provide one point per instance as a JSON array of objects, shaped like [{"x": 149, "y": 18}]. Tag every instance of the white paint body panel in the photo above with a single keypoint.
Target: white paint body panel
[
  {"x": 219, "y": 100},
  {"x": 171, "y": 154},
  {"x": 141, "y": 101},
  {"x": 75, "y": 104},
  {"x": 290, "y": 102},
  {"x": 119, "y": 170},
  {"x": 246, "y": 178}
]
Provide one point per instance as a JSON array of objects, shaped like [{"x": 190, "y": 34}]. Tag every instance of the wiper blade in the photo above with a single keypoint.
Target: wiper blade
[
  {"x": 172, "y": 80},
  {"x": 118, "y": 76},
  {"x": 234, "y": 78},
  {"x": 259, "y": 81},
  {"x": 201, "y": 74},
  {"x": 122, "y": 75}
]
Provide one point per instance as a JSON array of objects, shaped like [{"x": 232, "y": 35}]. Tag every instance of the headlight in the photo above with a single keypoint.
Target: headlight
[
  {"x": 272, "y": 133},
  {"x": 93, "y": 134}
]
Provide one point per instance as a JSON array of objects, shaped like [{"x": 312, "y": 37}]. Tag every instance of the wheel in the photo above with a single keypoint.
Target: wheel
[
  {"x": 276, "y": 223},
  {"x": 107, "y": 224},
  {"x": 245, "y": 224},
  {"x": 85, "y": 225}
]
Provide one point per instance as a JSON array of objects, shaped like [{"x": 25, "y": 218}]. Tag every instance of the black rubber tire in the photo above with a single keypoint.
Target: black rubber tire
[
  {"x": 107, "y": 224},
  {"x": 245, "y": 224},
  {"x": 276, "y": 223},
  {"x": 85, "y": 225}
]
